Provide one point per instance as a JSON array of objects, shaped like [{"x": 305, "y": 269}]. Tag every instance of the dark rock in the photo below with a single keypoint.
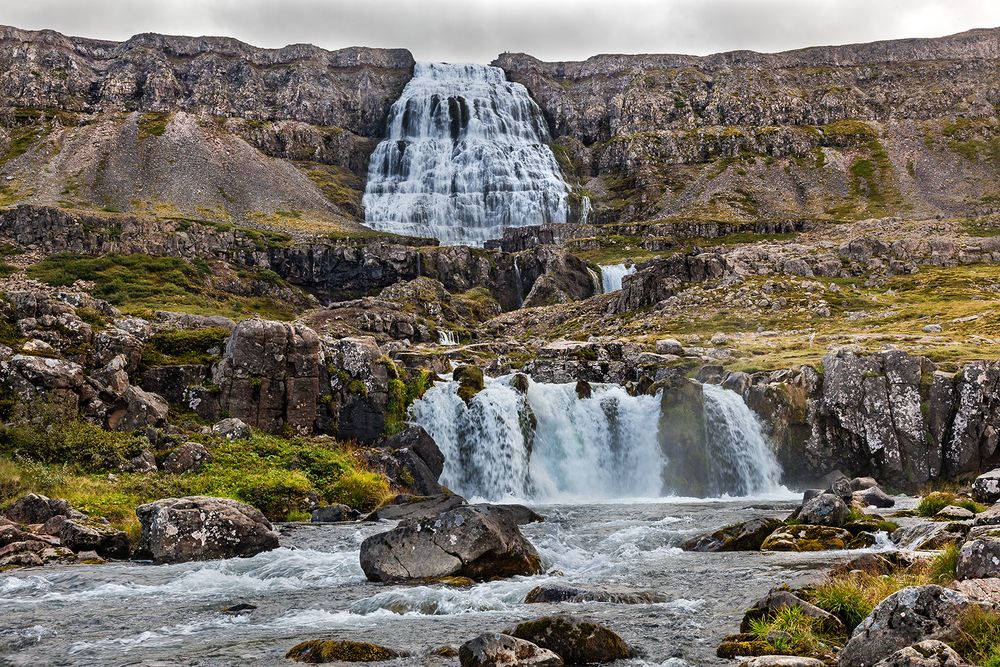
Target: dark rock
[
  {"x": 239, "y": 609},
  {"x": 144, "y": 461},
  {"x": 189, "y": 457},
  {"x": 416, "y": 507},
  {"x": 93, "y": 535},
  {"x": 874, "y": 496},
  {"x": 176, "y": 530},
  {"x": 519, "y": 514},
  {"x": 554, "y": 593},
  {"x": 472, "y": 542},
  {"x": 776, "y": 600},
  {"x": 682, "y": 438},
  {"x": 330, "y": 650},
  {"x": 497, "y": 650},
  {"x": 986, "y": 487},
  {"x": 979, "y": 557},
  {"x": 825, "y": 510},
  {"x": 862, "y": 483},
  {"x": 910, "y": 615},
  {"x": 746, "y": 536},
  {"x": 141, "y": 409},
  {"x": 422, "y": 444},
  {"x": 36, "y": 508},
  {"x": 470, "y": 381},
  {"x": 930, "y": 536},
  {"x": 577, "y": 641},
  {"x": 583, "y": 389},
  {"x": 333, "y": 514}
]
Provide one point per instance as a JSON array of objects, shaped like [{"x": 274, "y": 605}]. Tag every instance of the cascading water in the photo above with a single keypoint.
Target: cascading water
[
  {"x": 464, "y": 156},
  {"x": 612, "y": 275},
  {"x": 446, "y": 337},
  {"x": 547, "y": 443}
]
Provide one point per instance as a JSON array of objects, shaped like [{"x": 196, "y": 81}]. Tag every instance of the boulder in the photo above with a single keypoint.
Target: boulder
[
  {"x": 36, "y": 508},
  {"x": 331, "y": 650},
  {"x": 141, "y": 409},
  {"x": 404, "y": 469},
  {"x": 189, "y": 457},
  {"x": 745, "y": 536},
  {"x": 930, "y": 536},
  {"x": 333, "y": 513},
  {"x": 913, "y": 614},
  {"x": 777, "y": 600},
  {"x": 33, "y": 553},
  {"x": 470, "y": 381},
  {"x": 806, "y": 538},
  {"x": 176, "y": 530},
  {"x": 862, "y": 483},
  {"x": 416, "y": 507},
  {"x": 554, "y": 593},
  {"x": 979, "y": 557},
  {"x": 475, "y": 542},
  {"x": 873, "y": 496},
  {"x": 986, "y": 487},
  {"x": 669, "y": 346},
  {"x": 825, "y": 510},
  {"x": 144, "y": 461},
  {"x": 420, "y": 442},
  {"x": 497, "y": 650},
  {"x": 954, "y": 513},
  {"x": 94, "y": 535},
  {"x": 576, "y": 640},
  {"x": 782, "y": 661},
  {"x": 928, "y": 653},
  {"x": 232, "y": 429},
  {"x": 683, "y": 438}
]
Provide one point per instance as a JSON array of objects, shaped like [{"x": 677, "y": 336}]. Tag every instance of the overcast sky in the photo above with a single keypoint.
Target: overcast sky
[{"x": 477, "y": 30}]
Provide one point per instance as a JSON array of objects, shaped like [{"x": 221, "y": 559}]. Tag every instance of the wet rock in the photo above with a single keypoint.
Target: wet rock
[
  {"x": 36, "y": 508},
  {"x": 875, "y": 497},
  {"x": 986, "y": 487},
  {"x": 807, "y": 538},
  {"x": 422, "y": 444},
  {"x": 144, "y": 461},
  {"x": 872, "y": 563},
  {"x": 404, "y": 469},
  {"x": 553, "y": 593},
  {"x": 176, "y": 530},
  {"x": 519, "y": 514},
  {"x": 497, "y": 650},
  {"x": 953, "y": 513},
  {"x": 776, "y": 600},
  {"x": 910, "y": 615},
  {"x": 682, "y": 437},
  {"x": 189, "y": 457},
  {"x": 979, "y": 557},
  {"x": 93, "y": 535},
  {"x": 318, "y": 651},
  {"x": 333, "y": 513},
  {"x": 782, "y": 661},
  {"x": 470, "y": 381},
  {"x": 577, "y": 641},
  {"x": 825, "y": 510},
  {"x": 239, "y": 609},
  {"x": 930, "y": 536},
  {"x": 232, "y": 429},
  {"x": 416, "y": 507},
  {"x": 746, "y": 536},
  {"x": 929, "y": 653},
  {"x": 473, "y": 542}
]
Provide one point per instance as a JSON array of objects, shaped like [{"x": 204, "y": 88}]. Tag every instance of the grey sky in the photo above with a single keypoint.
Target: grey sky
[{"x": 477, "y": 30}]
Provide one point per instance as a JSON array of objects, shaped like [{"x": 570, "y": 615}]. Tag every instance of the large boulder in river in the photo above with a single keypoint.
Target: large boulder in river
[
  {"x": 405, "y": 506},
  {"x": 910, "y": 615},
  {"x": 176, "y": 530},
  {"x": 825, "y": 509},
  {"x": 317, "y": 651},
  {"x": 807, "y": 538},
  {"x": 745, "y": 536},
  {"x": 577, "y": 641},
  {"x": 478, "y": 542},
  {"x": 496, "y": 650},
  {"x": 979, "y": 557},
  {"x": 683, "y": 439},
  {"x": 410, "y": 460}
]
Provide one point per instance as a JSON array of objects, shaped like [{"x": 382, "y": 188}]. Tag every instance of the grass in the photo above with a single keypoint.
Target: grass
[
  {"x": 852, "y": 597},
  {"x": 934, "y": 502},
  {"x": 183, "y": 346},
  {"x": 943, "y": 567},
  {"x": 790, "y": 632},
  {"x": 153, "y": 124},
  {"x": 979, "y": 637}
]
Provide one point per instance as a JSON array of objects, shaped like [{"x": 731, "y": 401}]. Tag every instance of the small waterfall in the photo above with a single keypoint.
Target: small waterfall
[
  {"x": 742, "y": 460},
  {"x": 585, "y": 209},
  {"x": 612, "y": 275},
  {"x": 548, "y": 443},
  {"x": 596, "y": 281},
  {"x": 446, "y": 337},
  {"x": 464, "y": 156}
]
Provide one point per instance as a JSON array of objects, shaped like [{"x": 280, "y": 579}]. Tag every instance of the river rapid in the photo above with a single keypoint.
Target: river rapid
[{"x": 313, "y": 587}]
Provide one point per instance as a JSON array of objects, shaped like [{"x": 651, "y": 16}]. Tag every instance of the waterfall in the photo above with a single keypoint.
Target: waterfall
[
  {"x": 464, "y": 156},
  {"x": 612, "y": 275},
  {"x": 446, "y": 337},
  {"x": 585, "y": 208},
  {"x": 547, "y": 443},
  {"x": 743, "y": 462}
]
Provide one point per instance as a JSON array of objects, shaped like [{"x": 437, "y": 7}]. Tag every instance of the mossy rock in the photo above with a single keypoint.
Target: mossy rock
[
  {"x": 576, "y": 641},
  {"x": 807, "y": 538},
  {"x": 330, "y": 650},
  {"x": 743, "y": 645},
  {"x": 470, "y": 381}
]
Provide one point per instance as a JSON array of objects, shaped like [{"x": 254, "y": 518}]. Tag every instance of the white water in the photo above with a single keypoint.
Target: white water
[
  {"x": 446, "y": 337},
  {"x": 464, "y": 156},
  {"x": 612, "y": 275},
  {"x": 550, "y": 445}
]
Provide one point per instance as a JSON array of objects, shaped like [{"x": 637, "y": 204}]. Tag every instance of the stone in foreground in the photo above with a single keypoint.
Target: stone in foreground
[
  {"x": 826, "y": 509},
  {"x": 577, "y": 641},
  {"x": 929, "y": 653},
  {"x": 497, "y": 650},
  {"x": 318, "y": 651},
  {"x": 979, "y": 557},
  {"x": 986, "y": 488},
  {"x": 776, "y": 600},
  {"x": 745, "y": 536},
  {"x": 177, "y": 530},
  {"x": 910, "y": 615},
  {"x": 480, "y": 542}
]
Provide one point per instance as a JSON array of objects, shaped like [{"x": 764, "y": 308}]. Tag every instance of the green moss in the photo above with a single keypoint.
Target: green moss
[
  {"x": 53, "y": 440},
  {"x": 183, "y": 346},
  {"x": 470, "y": 381},
  {"x": 153, "y": 124},
  {"x": 329, "y": 650},
  {"x": 934, "y": 502}
]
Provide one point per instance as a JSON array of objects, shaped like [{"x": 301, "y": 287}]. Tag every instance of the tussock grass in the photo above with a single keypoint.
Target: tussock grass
[{"x": 934, "y": 502}]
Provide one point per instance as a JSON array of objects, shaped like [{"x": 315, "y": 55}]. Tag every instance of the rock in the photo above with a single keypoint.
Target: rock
[
  {"x": 189, "y": 457},
  {"x": 928, "y": 653},
  {"x": 416, "y": 507},
  {"x": 473, "y": 542},
  {"x": 979, "y": 557},
  {"x": 932, "y": 328},
  {"x": 954, "y": 513},
  {"x": 913, "y": 614},
  {"x": 330, "y": 650},
  {"x": 807, "y": 538},
  {"x": 577, "y": 641},
  {"x": 92, "y": 535},
  {"x": 333, "y": 513},
  {"x": 470, "y": 381},
  {"x": 497, "y": 650},
  {"x": 405, "y": 470},
  {"x": 176, "y": 530},
  {"x": 989, "y": 517},
  {"x": 746, "y": 536},
  {"x": 871, "y": 563},
  {"x": 683, "y": 439},
  {"x": 986, "y": 487},
  {"x": 232, "y": 429},
  {"x": 549, "y": 593},
  {"x": 777, "y": 600},
  {"x": 144, "y": 461},
  {"x": 669, "y": 346},
  {"x": 36, "y": 508},
  {"x": 519, "y": 514},
  {"x": 142, "y": 409},
  {"x": 719, "y": 338},
  {"x": 825, "y": 510},
  {"x": 422, "y": 444},
  {"x": 930, "y": 536},
  {"x": 862, "y": 483},
  {"x": 782, "y": 661},
  {"x": 873, "y": 497},
  {"x": 239, "y": 609}
]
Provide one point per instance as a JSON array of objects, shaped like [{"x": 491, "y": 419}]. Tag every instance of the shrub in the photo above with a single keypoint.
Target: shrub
[
  {"x": 183, "y": 346},
  {"x": 73, "y": 441},
  {"x": 789, "y": 632},
  {"x": 361, "y": 489},
  {"x": 934, "y": 502},
  {"x": 942, "y": 568},
  {"x": 979, "y": 637}
]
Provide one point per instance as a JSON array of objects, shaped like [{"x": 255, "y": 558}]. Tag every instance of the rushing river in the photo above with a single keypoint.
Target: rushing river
[{"x": 313, "y": 587}]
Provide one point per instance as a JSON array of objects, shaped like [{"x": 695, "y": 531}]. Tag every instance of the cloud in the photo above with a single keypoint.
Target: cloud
[{"x": 477, "y": 30}]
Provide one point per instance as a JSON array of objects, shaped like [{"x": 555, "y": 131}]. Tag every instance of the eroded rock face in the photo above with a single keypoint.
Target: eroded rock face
[
  {"x": 497, "y": 650},
  {"x": 910, "y": 615},
  {"x": 176, "y": 530},
  {"x": 474, "y": 542}
]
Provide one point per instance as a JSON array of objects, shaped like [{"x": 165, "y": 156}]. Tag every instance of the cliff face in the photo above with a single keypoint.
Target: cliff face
[{"x": 906, "y": 126}]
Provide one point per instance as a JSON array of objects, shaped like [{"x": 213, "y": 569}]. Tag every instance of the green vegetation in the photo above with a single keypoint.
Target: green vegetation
[
  {"x": 933, "y": 503},
  {"x": 153, "y": 124},
  {"x": 339, "y": 185},
  {"x": 183, "y": 346},
  {"x": 943, "y": 567},
  {"x": 790, "y": 632},
  {"x": 979, "y": 637},
  {"x": 851, "y": 597}
]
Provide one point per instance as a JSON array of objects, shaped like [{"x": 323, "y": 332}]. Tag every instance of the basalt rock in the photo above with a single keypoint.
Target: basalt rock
[
  {"x": 561, "y": 593},
  {"x": 986, "y": 487},
  {"x": 826, "y": 509},
  {"x": 776, "y": 600},
  {"x": 332, "y": 650}
]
